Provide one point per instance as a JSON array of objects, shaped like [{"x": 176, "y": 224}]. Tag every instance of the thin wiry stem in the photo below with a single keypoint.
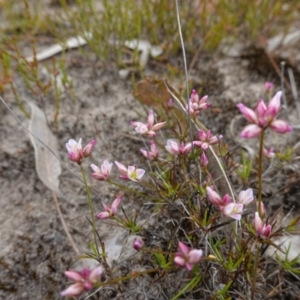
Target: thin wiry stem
[
  {"x": 91, "y": 206},
  {"x": 185, "y": 66},
  {"x": 260, "y": 158}
]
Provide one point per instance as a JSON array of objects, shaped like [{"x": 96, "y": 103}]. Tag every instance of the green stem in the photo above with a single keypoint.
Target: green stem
[
  {"x": 90, "y": 202},
  {"x": 260, "y": 159}
]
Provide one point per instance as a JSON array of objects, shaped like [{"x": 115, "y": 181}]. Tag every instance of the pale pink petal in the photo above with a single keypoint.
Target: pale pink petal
[
  {"x": 103, "y": 215},
  {"x": 274, "y": 106},
  {"x": 154, "y": 149},
  {"x": 248, "y": 113},
  {"x": 73, "y": 290},
  {"x": 233, "y": 210},
  {"x": 258, "y": 224},
  {"x": 140, "y": 173},
  {"x": 203, "y": 99},
  {"x": 180, "y": 261},
  {"x": 87, "y": 151},
  {"x": 251, "y": 131},
  {"x": 95, "y": 168},
  {"x": 203, "y": 159},
  {"x": 280, "y": 126},
  {"x": 95, "y": 274},
  {"x": 71, "y": 145},
  {"x": 187, "y": 148},
  {"x": 269, "y": 153},
  {"x": 122, "y": 169},
  {"x": 195, "y": 256},
  {"x": 116, "y": 204},
  {"x": 260, "y": 109},
  {"x": 74, "y": 276},
  {"x": 172, "y": 147},
  {"x": 197, "y": 143},
  {"x": 150, "y": 119},
  {"x": 246, "y": 197},
  {"x": 183, "y": 248},
  {"x": 157, "y": 126},
  {"x": 263, "y": 210},
  {"x": 214, "y": 197},
  {"x": 213, "y": 140}
]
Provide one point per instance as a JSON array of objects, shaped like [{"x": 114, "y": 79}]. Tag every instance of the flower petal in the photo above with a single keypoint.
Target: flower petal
[
  {"x": 95, "y": 274},
  {"x": 251, "y": 131},
  {"x": 280, "y": 126},
  {"x": 73, "y": 290},
  {"x": 248, "y": 113},
  {"x": 74, "y": 276}
]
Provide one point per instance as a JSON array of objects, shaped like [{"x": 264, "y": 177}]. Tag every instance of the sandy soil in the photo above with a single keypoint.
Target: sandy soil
[{"x": 34, "y": 250}]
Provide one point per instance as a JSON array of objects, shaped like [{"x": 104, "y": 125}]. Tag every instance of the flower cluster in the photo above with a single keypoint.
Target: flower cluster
[
  {"x": 196, "y": 105},
  {"x": 83, "y": 281},
  {"x": 225, "y": 204},
  {"x": 263, "y": 117}
]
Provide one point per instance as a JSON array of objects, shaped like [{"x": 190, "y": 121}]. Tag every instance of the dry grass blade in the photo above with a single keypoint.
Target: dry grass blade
[{"x": 47, "y": 166}]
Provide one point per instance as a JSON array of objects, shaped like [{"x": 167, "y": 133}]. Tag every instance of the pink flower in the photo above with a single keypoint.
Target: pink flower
[
  {"x": 103, "y": 172},
  {"x": 187, "y": 258},
  {"x": 263, "y": 210},
  {"x": 110, "y": 211},
  {"x": 206, "y": 139},
  {"x": 153, "y": 153},
  {"x": 246, "y": 197},
  {"x": 138, "y": 244},
  {"x": 269, "y": 86},
  {"x": 269, "y": 153},
  {"x": 175, "y": 148},
  {"x": 196, "y": 105},
  {"x": 263, "y": 117},
  {"x": 170, "y": 103},
  {"x": 149, "y": 128},
  {"x": 83, "y": 281},
  {"x": 130, "y": 173},
  {"x": 233, "y": 210},
  {"x": 225, "y": 204},
  {"x": 261, "y": 229},
  {"x": 215, "y": 198},
  {"x": 75, "y": 151},
  {"x": 203, "y": 160}
]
